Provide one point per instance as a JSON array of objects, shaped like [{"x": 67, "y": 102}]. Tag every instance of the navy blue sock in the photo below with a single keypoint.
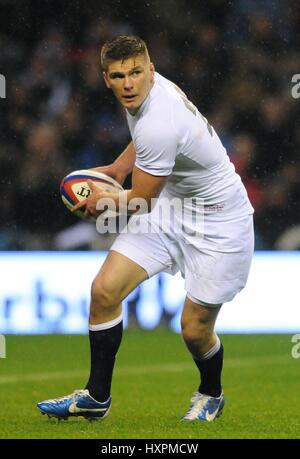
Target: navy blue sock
[
  {"x": 104, "y": 345},
  {"x": 210, "y": 371}
]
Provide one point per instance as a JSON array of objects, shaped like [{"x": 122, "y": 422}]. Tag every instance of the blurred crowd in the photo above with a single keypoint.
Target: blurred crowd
[{"x": 234, "y": 60}]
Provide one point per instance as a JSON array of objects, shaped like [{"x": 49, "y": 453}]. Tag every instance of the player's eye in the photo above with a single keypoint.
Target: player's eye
[
  {"x": 115, "y": 76},
  {"x": 136, "y": 72}
]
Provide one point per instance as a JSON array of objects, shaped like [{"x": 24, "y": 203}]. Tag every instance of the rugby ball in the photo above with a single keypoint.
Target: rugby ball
[{"x": 74, "y": 187}]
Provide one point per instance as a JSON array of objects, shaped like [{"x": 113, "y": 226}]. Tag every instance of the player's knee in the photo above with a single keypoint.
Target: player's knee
[
  {"x": 103, "y": 297},
  {"x": 195, "y": 334}
]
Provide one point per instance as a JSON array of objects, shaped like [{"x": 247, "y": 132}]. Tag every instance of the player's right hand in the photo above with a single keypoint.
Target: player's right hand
[{"x": 113, "y": 171}]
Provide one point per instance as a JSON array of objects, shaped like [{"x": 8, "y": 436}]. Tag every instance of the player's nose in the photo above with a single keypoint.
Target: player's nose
[{"x": 128, "y": 83}]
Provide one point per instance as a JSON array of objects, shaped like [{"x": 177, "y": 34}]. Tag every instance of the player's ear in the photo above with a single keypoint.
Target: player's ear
[
  {"x": 106, "y": 79},
  {"x": 152, "y": 70}
]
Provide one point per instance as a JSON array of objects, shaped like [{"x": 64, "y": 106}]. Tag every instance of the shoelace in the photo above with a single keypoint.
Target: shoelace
[
  {"x": 67, "y": 397},
  {"x": 197, "y": 402}
]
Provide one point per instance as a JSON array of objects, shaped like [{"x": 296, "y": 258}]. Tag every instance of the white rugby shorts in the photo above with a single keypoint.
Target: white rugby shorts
[{"x": 215, "y": 267}]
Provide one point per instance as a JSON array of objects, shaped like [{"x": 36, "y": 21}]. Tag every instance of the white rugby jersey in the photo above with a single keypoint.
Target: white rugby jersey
[{"x": 171, "y": 138}]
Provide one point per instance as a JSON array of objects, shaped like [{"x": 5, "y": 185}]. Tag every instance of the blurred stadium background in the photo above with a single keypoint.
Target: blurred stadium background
[{"x": 235, "y": 60}]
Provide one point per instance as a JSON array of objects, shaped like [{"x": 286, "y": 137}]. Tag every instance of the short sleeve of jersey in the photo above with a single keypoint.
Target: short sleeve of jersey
[{"x": 155, "y": 148}]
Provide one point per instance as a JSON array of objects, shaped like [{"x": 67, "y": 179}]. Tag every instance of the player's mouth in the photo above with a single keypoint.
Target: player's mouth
[{"x": 129, "y": 97}]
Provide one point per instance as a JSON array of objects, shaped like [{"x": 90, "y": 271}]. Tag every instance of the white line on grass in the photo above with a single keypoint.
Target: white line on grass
[{"x": 139, "y": 370}]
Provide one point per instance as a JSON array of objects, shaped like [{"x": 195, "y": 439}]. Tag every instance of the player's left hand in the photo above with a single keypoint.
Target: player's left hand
[{"x": 89, "y": 204}]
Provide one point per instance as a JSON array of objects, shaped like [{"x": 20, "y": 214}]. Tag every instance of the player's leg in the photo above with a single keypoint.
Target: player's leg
[
  {"x": 197, "y": 325},
  {"x": 132, "y": 259},
  {"x": 216, "y": 269},
  {"x": 116, "y": 279}
]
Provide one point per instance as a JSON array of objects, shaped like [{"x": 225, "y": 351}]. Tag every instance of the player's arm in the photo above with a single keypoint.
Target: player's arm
[
  {"x": 145, "y": 185},
  {"x": 154, "y": 163},
  {"x": 145, "y": 188},
  {"x": 122, "y": 166}
]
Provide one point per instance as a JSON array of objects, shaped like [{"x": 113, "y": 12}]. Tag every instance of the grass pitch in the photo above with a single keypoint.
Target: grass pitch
[{"x": 153, "y": 382}]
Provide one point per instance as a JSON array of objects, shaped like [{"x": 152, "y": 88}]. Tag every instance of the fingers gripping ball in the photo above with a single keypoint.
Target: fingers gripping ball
[{"x": 74, "y": 187}]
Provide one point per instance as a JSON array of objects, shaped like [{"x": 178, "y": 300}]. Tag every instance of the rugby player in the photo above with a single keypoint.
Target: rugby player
[{"x": 174, "y": 153}]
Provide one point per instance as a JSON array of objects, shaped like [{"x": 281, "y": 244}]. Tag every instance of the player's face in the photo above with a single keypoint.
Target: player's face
[{"x": 130, "y": 81}]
